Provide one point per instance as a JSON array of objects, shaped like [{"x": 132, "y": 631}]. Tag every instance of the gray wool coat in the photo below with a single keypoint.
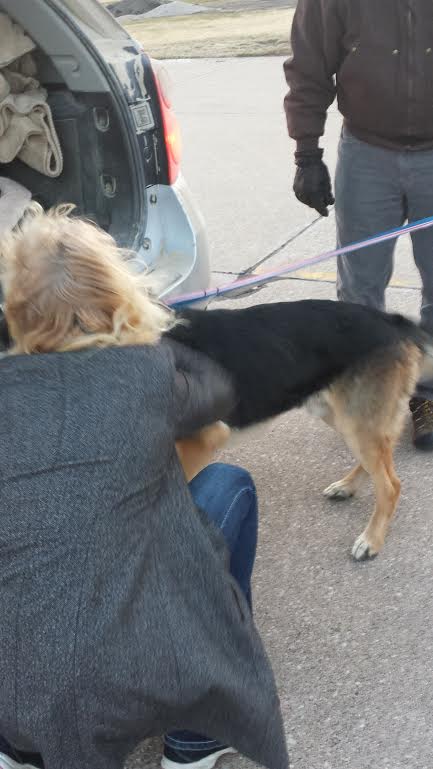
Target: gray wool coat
[{"x": 119, "y": 618}]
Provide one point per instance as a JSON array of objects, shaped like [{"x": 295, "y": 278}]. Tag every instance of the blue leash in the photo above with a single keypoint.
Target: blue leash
[{"x": 266, "y": 277}]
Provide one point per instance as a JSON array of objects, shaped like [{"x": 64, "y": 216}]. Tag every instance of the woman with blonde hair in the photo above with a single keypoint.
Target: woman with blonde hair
[{"x": 120, "y": 617}]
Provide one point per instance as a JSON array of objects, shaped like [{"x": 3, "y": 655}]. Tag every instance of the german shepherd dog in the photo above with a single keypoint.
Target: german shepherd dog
[{"x": 353, "y": 366}]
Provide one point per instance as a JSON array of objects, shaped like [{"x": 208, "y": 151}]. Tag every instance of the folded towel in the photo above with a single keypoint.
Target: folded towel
[
  {"x": 18, "y": 103},
  {"x": 27, "y": 129},
  {"x": 14, "y": 199},
  {"x": 18, "y": 82},
  {"x": 14, "y": 42},
  {"x": 26, "y": 65},
  {"x": 41, "y": 149},
  {"x": 26, "y": 125}
]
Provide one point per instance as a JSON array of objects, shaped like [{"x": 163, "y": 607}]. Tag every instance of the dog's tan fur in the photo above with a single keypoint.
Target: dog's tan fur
[
  {"x": 367, "y": 407},
  {"x": 197, "y": 452}
]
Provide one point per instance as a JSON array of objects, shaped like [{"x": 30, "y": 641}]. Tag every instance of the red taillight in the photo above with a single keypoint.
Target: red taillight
[{"x": 172, "y": 135}]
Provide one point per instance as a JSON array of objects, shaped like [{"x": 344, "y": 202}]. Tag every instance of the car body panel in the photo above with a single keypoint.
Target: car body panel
[
  {"x": 175, "y": 241},
  {"x": 89, "y": 52}
]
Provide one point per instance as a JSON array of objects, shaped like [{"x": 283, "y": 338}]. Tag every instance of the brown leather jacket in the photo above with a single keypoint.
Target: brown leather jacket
[{"x": 376, "y": 56}]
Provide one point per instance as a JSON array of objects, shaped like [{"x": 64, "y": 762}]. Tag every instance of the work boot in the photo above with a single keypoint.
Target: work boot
[{"x": 422, "y": 419}]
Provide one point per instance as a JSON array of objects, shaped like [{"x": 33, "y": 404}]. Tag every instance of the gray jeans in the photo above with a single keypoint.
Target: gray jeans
[{"x": 376, "y": 190}]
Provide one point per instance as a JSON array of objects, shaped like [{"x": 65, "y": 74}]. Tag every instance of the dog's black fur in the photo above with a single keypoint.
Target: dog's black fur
[{"x": 280, "y": 354}]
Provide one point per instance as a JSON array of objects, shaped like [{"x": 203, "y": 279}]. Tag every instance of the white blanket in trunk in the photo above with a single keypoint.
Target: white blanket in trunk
[{"x": 26, "y": 125}]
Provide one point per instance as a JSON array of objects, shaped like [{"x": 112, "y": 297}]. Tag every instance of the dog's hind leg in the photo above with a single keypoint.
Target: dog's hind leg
[
  {"x": 368, "y": 407},
  {"x": 377, "y": 458},
  {"x": 347, "y": 486},
  {"x": 322, "y": 405}
]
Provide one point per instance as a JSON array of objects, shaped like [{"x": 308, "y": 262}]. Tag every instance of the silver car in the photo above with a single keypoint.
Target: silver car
[{"x": 119, "y": 137}]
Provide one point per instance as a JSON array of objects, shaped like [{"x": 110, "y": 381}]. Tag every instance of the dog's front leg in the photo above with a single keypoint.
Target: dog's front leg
[
  {"x": 387, "y": 487},
  {"x": 347, "y": 486}
]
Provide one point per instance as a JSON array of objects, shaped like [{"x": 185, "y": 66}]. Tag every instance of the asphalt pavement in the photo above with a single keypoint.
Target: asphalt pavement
[{"x": 350, "y": 643}]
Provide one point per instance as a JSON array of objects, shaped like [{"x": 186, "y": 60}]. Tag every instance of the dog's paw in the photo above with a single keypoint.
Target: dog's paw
[
  {"x": 338, "y": 490},
  {"x": 363, "y": 549}
]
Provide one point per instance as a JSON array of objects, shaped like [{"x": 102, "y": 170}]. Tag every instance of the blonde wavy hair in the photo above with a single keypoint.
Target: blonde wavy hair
[{"x": 67, "y": 286}]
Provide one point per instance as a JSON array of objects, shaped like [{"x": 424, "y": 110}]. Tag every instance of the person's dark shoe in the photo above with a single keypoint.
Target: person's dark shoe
[
  {"x": 422, "y": 419},
  {"x": 196, "y": 759},
  {"x": 6, "y": 762}
]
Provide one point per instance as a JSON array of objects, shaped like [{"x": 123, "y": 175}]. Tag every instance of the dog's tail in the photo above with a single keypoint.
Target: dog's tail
[
  {"x": 427, "y": 363},
  {"x": 424, "y": 341},
  {"x": 410, "y": 331}
]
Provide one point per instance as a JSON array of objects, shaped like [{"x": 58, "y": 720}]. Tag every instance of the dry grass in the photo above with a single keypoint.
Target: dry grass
[{"x": 249, "y": 33}]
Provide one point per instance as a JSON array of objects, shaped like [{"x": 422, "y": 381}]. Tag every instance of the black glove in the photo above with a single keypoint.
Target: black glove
[{"x": 312, "y": 185}]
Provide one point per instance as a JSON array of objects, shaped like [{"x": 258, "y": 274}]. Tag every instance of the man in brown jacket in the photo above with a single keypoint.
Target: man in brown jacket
[{"x": 376, "y": 56}]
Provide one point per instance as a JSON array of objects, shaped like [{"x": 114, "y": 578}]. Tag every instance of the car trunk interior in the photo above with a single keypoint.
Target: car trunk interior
[{"x": 97, "y": 174}]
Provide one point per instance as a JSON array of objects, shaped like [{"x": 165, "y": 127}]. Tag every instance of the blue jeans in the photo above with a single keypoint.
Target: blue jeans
[
  {"x": 228, "y": 497},
  {"x": 377, "y": 189}
]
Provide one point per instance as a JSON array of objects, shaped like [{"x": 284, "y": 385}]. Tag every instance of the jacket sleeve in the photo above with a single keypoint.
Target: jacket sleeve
[
  {"x": 317, "y": 35},
  {"x": 203, "y": 392}
]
